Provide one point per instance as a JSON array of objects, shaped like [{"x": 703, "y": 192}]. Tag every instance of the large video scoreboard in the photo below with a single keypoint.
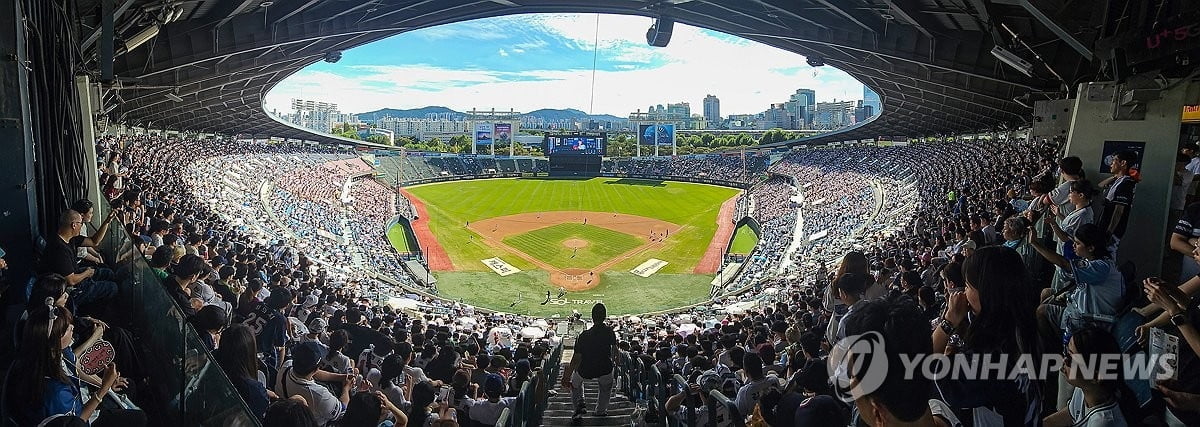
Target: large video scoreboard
[{"x": 579, "y": 143}]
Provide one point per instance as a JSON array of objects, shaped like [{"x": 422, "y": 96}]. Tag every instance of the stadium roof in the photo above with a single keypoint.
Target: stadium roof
[{"x": 929, "y": 60}]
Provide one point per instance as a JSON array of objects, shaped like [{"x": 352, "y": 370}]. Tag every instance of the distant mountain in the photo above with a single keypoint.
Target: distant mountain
[
  {"x": 415, "y": 113},
  {"x": 546, "y": 114},
  {"x": 552, "y": 115}
]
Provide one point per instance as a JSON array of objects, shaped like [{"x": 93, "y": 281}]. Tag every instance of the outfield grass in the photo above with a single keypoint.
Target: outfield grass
[
  {"x": 622, "y": 292},
  {"x": 744, "y": 240},
  {"x": 695, "y": 207},
  {"x": 396, "y": 236},
  {"x": 546, "y": 244},
  {"x": 451, "y": 204}
]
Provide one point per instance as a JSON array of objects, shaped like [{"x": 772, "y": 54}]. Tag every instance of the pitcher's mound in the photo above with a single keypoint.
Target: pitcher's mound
[
  {"x": 575, "y": 243},
  {"x": 575, "y": 279}
]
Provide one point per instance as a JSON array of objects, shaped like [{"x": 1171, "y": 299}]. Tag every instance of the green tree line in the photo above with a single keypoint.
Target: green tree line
[{"x": 619, "y": 145}]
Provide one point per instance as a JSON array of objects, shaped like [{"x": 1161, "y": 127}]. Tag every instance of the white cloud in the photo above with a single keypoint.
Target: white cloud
[
  {"x": 502, "y": 52},
  {"x": 747, "y": 76}
]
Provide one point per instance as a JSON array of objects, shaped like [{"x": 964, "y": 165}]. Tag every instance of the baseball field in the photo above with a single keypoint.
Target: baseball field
[{"x": 636, "y": 245}]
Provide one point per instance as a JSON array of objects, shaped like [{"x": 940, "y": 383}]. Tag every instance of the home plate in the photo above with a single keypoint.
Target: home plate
[
  {"x": 649, "y": 267},
  {"x": 499, "y": 266}
]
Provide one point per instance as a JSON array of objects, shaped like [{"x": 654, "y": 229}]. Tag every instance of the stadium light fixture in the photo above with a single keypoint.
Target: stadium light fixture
[
  {"x": 333, "y": 57},
  {"x": 1012, "y": 60},
  {"x": 139, "y": 39}
]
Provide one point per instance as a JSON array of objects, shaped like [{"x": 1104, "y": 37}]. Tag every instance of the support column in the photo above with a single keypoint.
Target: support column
[
  {"x": 18, "y": 203},
  {"x": 1092, "y": 124},
  {"x": 471, "y": 135},
  {"x": 87, "y": 133}
]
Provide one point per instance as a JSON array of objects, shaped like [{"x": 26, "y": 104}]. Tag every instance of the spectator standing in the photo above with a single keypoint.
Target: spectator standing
[
  {"x": 1118, "y": 197},
  {"x": 595, "y": 352},
  {"x": 999, "y": 298}
]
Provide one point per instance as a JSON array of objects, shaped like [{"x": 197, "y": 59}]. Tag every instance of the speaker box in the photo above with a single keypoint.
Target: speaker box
[{"x": 659, "y": 34}]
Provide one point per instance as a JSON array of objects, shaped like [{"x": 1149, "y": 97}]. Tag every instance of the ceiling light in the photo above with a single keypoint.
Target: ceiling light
[{"x": 1012, "y": 60}]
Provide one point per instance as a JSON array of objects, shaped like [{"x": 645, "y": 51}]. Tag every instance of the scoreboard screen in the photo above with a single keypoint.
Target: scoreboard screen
[{"x": 576, "y": 144}]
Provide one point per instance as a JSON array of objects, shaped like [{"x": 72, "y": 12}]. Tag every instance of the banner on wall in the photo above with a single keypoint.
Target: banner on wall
[
  {"x": 1111, "y": 148},
  {"x": 645, "y": 134},
  {"x": 665, "y": 134},
  {"x": 502, "y": 133},
  {"x": 483, "y": 134}
]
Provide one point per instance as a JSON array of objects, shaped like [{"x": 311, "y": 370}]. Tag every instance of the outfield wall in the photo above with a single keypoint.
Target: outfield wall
[{"x": 692, "y": 179}]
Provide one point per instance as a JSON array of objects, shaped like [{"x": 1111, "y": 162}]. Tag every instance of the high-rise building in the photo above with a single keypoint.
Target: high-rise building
[
  {"x": 863, "y": 112},
  {"x": 712, "y": 109},
  {"x": 800, "y": 106},
  {"x": 833, "y": 115},
  {"x": 871, "y": 99},
  {"x": 681, "y": 109},
  {"x": 776, "y": 117},
  {"x": 316, "y": 115}
]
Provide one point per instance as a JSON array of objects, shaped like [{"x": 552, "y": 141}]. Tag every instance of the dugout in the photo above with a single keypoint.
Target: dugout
[{"x": 420, "y": 273}]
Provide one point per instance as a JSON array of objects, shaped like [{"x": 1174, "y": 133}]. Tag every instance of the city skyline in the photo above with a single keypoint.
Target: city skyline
[{"x": 498, "y": 62}]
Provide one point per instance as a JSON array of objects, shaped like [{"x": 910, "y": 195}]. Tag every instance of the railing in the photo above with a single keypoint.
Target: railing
[
  {"x": 532, "y": 400},
  {"x": 722, "y": 411},
  {"x": 186, "y": 383}
]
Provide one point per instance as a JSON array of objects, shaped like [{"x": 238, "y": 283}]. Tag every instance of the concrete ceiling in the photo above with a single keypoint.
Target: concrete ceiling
[{"x": 929, "y": 60}]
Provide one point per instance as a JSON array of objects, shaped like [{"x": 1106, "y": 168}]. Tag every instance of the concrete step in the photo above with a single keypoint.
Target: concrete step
[
  {"x": 626, "y": 410},
  {"x": 561, "y": 403},
  {"x": 588, "y": 420}
]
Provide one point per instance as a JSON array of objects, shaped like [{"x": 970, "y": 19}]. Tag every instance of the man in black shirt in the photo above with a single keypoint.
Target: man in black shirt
[
  {"x": 1118, "y": 197},
  {"x": 595, "y": 351},
  {"x": 61, "y": 257},
  {"x": 361, "y": 337}
]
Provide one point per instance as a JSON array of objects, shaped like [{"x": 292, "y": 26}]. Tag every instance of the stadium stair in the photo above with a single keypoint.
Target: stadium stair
[{"x": 559, "y": 409}]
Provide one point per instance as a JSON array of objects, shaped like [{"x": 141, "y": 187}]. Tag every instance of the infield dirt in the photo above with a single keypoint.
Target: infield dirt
[{"x": 650, "y": 231}]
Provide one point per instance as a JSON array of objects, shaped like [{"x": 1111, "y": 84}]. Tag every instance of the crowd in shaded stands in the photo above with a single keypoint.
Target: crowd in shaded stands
[
  {"x": 733, "y": 167},
  {"x": 729, "y": 168},
  {"x": 939, "y": 248},
  {"x": 963, "y": 273},
  {"x": 416, "y": 167},
  {"x": 297, "y": 339}
]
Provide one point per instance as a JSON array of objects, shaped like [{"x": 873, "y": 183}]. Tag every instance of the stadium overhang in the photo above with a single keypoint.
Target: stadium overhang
[{"x": 939, "y": 66}]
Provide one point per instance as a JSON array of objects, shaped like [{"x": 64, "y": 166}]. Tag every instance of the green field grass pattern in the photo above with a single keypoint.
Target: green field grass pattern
[{"x": 546, "y": 244}]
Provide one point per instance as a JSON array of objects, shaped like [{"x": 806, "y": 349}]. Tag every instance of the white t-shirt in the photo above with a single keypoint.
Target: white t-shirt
[
  {"x": 418, "y": 374},
  {"x": 1058, "y": 196},
  {"x": 338, "y": 364},
  {"x": 1104, "y": 415},
  {"x": 324, "y": 405},
  {"x": 486, "y": 412},
  {"x": 748, "y": 395},
  {"x": 1076, "y": 219},
  {"x": 942, "y": 410}
]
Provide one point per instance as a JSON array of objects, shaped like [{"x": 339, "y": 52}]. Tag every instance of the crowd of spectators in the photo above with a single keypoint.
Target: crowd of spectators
[
  {"x": 729, "y": 167},
  {"x": 296, "y": 336},
  {"x": 415, "y": 167},
  {"x": 942, "y": 249},
  {"x": 939, "y": 248}
]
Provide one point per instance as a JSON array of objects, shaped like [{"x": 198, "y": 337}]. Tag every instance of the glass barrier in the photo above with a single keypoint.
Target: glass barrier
[{"x": 186, "y": 387}]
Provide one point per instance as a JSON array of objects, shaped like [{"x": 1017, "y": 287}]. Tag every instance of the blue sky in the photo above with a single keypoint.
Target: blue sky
[{"x": 527, "y": 62}]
